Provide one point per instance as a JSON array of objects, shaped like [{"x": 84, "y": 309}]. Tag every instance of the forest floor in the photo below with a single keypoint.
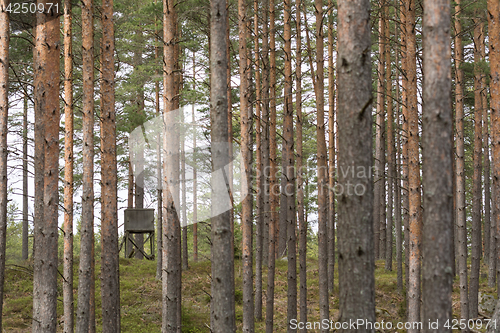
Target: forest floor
[{"x": 141, "y": 297}]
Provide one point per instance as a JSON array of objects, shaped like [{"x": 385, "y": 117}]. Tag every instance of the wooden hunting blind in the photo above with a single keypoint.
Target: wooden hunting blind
[{"x": 139, "y": 221}]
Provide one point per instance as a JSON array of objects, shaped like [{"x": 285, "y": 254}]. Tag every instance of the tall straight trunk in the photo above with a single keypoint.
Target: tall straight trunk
[
  {"x": 288, "y": 159},
  {"x": 391, "y": 154},
  {"x": 322, "y": 170},
  {"x": 331, "y": 152},
  {"x": 259, "y": 242},
  {"x": 274, "y": 187},
  {"x": 39, "y": 156},
  {"x": 222, "y": 305},
  {"x": 110, "y": 286},
  {"x": 437, "y": 273},
  {"x": 265, "y": 129},
  {"x": 379, "y": 208},
  {"x": 46, "y": 230},
  {"x": 223, "y": 315},
  {"x": 355, "y": 227},
  {"x": 195, "y": 180},
  {"x": 494, "y": 38},
  {"x": 25, "y": 180},
  {"x": 68, "y": 302},
  {"x": 159, "y": 199},
  {"x": 273, "y": 192},
  {"x": 87, "y": 228},
  {"x": 460, "y": 166},
  {"x": 300, "y": 174},
  {"x": 486, "y": 159},
  {"x": 404, "y": 154},
  {"x": 185, "y": 255},
  {"x": 476, "y": 246},
  {"x": 415, "y": 218},
  {"x": 171, "y": 279},
  {"x": 4, "y": 117},
  {"x": 397, "y": 183},
  {"x": 246, "y": 152},
  {"x": 229, "y": 117}
]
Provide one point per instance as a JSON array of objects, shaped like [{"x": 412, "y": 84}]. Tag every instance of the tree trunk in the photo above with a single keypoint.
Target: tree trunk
[
  {"x": 110, "y": 286},
  {"x": 185, "y": 255},
  {"x": 288, "y": 159},
  {"x": 273, "y": 186},
  {"x": 476, "y": 246},
  {"x": 4, "y": 117},
  {"x": 404, "y": 154},
  {"x": 171, "y": 279},
  {"x": 259, "y": 242},
  {"x": 397, "y": 186},
  {"x": 87, "y": 228},
  {"x": 300, "y": 174},
  {"x": 195, "y": 182},
  {"x": 322, "y": 171},
  {"x": 355, "y": 228},
  {"x": 68, "y": 302},
  {"x": 391, "y": 154},
  {"x": 39, "y": 63},
  {"x": 331, "y": 152},
  {"x": 460, "y": 166},
  {"x": 494, "y": 39},
  {"x": 437, "y": 273},
  {"x": 159, "y": 207},
  {"x": 379, "y": 211},
  {"x": 415, "y": 218},
  {"x": 222, "y": 306},
  {"x": 25, "y": 181},
  {"x": 46, "y": 230},
  {"x": 246, "y": 152},
  {"x": 486, "y": 157}
]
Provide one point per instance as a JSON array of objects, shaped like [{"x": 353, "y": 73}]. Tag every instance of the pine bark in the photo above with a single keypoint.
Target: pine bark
[
  {"x": 273, "y": 186},
  {"x": 222, "y": 306},
  {"x": 404, "y": 154},
  {"x": 87, "y": 228},
  {"x": 68, "y": 303},
  {"x": 460, "y": 166},
  {"x": 159, "y": 206},
  {"x": 322, "y": 170},
  {"x": 288, "y": 158},
  {"x": 391, "y": 154},
  {"x": 246, "y": 153},
  {"x": 110, "y": 286},
  {"x": 46, "y": 229},
  {"x": 415, "y": 214},
  {"x": 355, "y": 226},
  {"x": 476, "y": 246},
  {"x": 437, "y": 243},
  {"x": 171, "y": 278},
  {"x": 25, "y": 245},
  {"x": 300, "y": 174},
  {"x": 379, "y": 208},
  {"x": 4, "y": 117},
  {"x": 331, "y": 152},
  {"x": 494, "y": 47},
  {"x": 259, "y": 242}
]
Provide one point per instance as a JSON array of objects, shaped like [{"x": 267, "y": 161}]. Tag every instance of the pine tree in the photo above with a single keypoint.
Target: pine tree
[
  {"x": 46, "y": 229},
  {"x": 68, "y": 170},
  {"x": 355, "y": 226},
  {"x": 222, "y": 305},
  {"x": 437, "y": 143},
  {"x": 4, "y": 113}
]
